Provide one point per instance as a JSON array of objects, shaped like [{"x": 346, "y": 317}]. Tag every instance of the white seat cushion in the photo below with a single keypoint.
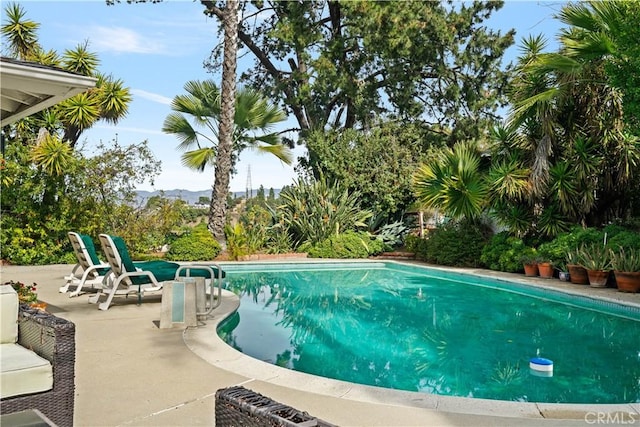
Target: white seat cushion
[
  {"x": 8, "y": 314},
  {"x": 23, "y": 371}
]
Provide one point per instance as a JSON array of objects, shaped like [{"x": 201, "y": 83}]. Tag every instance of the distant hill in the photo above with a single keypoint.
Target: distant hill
[{"x": 191, "y": 197}]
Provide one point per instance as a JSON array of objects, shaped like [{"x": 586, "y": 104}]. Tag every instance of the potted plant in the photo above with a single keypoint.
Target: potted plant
[
  {"x": 563, "y": 272},
  {"x": 626, "y": 268},
  {"x": 529, "y": 258},
  {"x": 596, "y": 259},
  {"x": 27, "y": 294},
  {"x": 545, "y": 269},
  {"x": 577, "y": 273}
]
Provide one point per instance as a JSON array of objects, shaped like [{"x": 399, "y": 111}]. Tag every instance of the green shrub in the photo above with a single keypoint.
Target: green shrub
[
  {"x": 278, "y": 239},
  {"x": 556, "y": 250},
  {"x": 417, "y": 245},
  {"x": 457, "y": 244},
  {"x": 503, "y": 253},
  {"x": 237, "y": 240},
  {"x": 349, "y": 244},
  {"x": 625, "y": 239},
  {"x": 36, "y": 249},
  {"x": 198, "y": 245}
]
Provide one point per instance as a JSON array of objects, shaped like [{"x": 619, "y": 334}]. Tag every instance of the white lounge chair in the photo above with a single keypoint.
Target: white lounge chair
[
  {"x": 89, "y": 271},
  {"x": 139, "y": 277}
]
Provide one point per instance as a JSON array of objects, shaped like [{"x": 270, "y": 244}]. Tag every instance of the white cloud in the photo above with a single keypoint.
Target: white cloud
[
  {"x": 160, "y": 99},
  {"x": 123, "y": 40}
]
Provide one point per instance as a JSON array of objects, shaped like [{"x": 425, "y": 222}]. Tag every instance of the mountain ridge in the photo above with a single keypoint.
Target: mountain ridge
[{"x": 189, "y": 196}]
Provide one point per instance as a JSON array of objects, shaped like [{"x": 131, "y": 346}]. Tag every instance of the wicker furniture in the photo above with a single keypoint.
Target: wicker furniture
[
  {"x": 238, "y": 406},
  {"x": 52, "y": 338}
]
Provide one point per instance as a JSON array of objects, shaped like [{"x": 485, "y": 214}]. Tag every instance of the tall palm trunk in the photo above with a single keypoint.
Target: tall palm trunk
[{"x": 218, "y": 207}]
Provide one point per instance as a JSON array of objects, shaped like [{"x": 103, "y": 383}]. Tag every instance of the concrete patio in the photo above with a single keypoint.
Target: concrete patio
[{"x": 131, "y": 373}]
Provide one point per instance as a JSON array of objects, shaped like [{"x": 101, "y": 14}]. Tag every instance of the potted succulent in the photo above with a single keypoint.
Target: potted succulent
[
  {"x": 577, "y": 273},
  {"x": 529, "y": 258},
  {"x": 596, "y": 259},
  {"x": 563, "y": 272},
  {"x": 626, "y": 268}
]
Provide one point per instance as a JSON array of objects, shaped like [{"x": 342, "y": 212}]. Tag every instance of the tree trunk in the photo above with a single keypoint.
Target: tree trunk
[{"x": 218, "y": 207}]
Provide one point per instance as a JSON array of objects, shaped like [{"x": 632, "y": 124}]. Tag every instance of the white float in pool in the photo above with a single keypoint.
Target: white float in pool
[{"x": 541, "y": 367}]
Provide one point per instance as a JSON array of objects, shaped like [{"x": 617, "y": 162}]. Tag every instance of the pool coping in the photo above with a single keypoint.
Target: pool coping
[{"x": 205, "y": 342}]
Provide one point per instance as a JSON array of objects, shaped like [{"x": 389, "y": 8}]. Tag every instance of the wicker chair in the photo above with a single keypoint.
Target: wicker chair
[
  {"x": 52, "y": 338},
  {"x": 238, "y": 406}
]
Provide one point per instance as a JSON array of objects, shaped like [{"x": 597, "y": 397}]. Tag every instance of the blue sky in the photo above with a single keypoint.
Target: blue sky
[{"x": 156, "y": 48}]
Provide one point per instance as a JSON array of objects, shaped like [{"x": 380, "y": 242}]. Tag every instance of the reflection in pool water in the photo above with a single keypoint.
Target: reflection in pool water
[{"x": 417, "y": 329}]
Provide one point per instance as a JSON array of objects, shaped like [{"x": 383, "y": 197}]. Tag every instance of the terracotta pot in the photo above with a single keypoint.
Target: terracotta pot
[
  {"x": 546, "y": 270},
  {"x": 628, "y": 281},
  {"x": 578, "y": 274},
  {"x": 531, "y": 270},
  {"x": 598, "y": 278}
]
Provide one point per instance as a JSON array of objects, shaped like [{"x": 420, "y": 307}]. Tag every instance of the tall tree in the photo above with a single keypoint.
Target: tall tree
[
  {"x": 378, "y": 163},
  {"x": 342, "y": 64},
  {"x": 223, "y": 167},
  {"x": 608, "y": 30},
  {"x": 571, "y": 117}
]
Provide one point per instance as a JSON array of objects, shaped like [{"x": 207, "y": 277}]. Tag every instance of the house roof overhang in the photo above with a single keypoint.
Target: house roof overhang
[{"x": 27, "y": 88}]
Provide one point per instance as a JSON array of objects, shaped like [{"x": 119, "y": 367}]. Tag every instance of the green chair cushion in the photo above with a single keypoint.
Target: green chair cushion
[
  {"x": 162, "y": 270},
  {"x": 91, "y": 250}
]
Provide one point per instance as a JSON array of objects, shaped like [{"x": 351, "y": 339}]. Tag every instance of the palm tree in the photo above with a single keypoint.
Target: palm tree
[
  {"x": 108, "y": 101},
  {"x": 573, "y": 120},
  {"x": 202, "y": 142},
  {"x": 224, "y": 165},
  {"x": 253, "y": 117},
  {"x": 19, "y": 32},
  {"x": 453, "y": 183}
]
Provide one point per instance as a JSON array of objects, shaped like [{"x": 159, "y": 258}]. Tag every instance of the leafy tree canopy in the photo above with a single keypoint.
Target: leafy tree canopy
[
  {"x": 342, "y": 64},
  {"x": 377, "y": 163}
]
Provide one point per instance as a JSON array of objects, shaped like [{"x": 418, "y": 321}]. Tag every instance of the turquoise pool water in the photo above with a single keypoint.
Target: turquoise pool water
[{"x": 419, "y": 329}]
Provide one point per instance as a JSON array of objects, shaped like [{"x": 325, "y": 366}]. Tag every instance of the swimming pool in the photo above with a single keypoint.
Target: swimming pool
[{"x": 420, "y": 329}]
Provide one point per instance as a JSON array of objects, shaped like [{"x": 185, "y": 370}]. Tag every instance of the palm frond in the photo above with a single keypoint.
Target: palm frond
[
  {"x": 280, "y": 151},
  {"x": 253, "y": 114},
  {"x": 52, "y": 155},
  {"x": 199, "y": 159},
  {"x": 509, "y": 180},
  {"x": 81, "y": 110},
  {"x": 114, "y": 100},
  {"x": 21, "y": 33},
  {"x": 178, "y": 125},
  {"x": 80, "y": 60}
]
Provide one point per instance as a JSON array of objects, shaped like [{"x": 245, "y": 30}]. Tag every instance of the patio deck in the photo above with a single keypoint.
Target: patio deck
[{"x": 131, "y": 373}]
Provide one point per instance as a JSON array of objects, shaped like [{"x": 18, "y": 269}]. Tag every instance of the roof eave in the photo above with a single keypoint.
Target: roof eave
[{"x": 48, "y": 87}]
